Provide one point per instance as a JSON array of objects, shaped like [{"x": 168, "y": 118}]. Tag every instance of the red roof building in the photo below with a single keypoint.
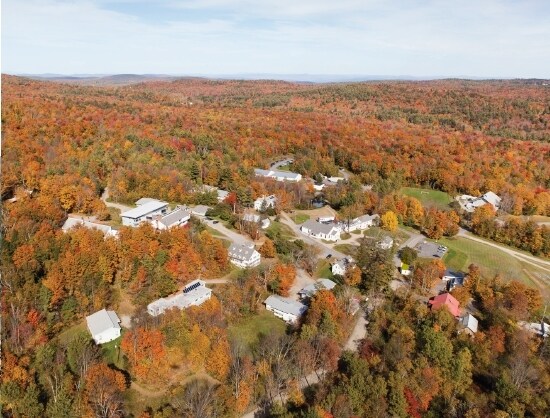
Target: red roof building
[{"x": 445, "y": 299}]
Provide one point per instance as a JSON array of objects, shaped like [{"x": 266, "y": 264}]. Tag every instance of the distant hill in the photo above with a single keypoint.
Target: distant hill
[{"x": 105, "y": 80}]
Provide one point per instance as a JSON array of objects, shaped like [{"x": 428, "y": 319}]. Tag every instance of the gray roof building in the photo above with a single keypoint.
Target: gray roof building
[
  {"x": 200, "y": 210},
  {"x": 144, "y": 209},
  {"x": 286, "y": 305},
  {"x": 311, "y": 289},
  {"x": 175, "y": 217}
]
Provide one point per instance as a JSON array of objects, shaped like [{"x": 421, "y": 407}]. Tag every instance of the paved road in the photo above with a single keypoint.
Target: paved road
[
  {"x": 413, "y": 240},
  {"x": 324, "y": 248},
  {"x": 105, "y": 196},
  {"x": 232, "y": 235},
  {"x": 526, "y": 258},
  {"x": 281, "y": 163}
]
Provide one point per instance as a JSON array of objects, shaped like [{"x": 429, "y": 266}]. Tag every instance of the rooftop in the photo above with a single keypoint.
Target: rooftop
[
  {"x": 286, "y": 305},
  {"x": 321, "y": 284},
  {"x": 175, "y": 216},
  {"x": 317, "y": 227},
  {"x": 241, "y": 252},
  {"x": 102, "y": 320},
  {"x": 144, "y": 209}
]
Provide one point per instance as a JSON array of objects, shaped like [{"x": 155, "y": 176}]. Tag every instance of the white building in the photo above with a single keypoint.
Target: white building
[
  {"x": 265, "y": 202},
  {"x": 326, "y": 219},
  {"x": 311, "y": 289},
  {"x": 265, "y": 223},
  {"x": 278, "y": 175},
  {"x": 251, "y": 217},
  {"x": 329, "y": 232},
  {"x": 361, "y": 223},
  {"x": 385, "y": 243},
  {"x": 542, "y": 329},
  {"x": 287, "y": 309},
  {"x": 468, "y": 323},
  {"x": 341, "y": 266},
  {"x": 178, "y": 217},
  {"x": 71, "y": 223},
  {"x": 193, "y": 294},
  {"x": 144, "y": 212},
  {"x": 244, "y": 256},
  {"x": 405, "y": 269},
  {"x": 104, "y": 326},
  {"x": 471, "y": 203}
]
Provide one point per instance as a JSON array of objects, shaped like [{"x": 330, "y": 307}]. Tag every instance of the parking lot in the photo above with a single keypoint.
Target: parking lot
[{"x": 428, "y": 249}]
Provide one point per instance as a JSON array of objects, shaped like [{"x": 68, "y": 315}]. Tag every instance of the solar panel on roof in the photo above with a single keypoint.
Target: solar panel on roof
[{"x": 190, "y": 288}]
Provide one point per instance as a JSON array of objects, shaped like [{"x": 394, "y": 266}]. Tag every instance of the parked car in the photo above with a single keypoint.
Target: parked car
[{"x": 328, "y": 256}]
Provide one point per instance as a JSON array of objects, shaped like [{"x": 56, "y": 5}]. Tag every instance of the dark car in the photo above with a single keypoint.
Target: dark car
[
  {"x": 216, "y": 222},
  {"x": 328, "y": 256}
]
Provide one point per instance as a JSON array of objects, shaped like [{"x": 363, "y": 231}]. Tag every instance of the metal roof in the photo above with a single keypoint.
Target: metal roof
[
  {"x": 241, "y": 252},
  {"x": 286, "y": 305},
  {"x": 144, "y": 209},
  {"x": 101, "y": 321}
]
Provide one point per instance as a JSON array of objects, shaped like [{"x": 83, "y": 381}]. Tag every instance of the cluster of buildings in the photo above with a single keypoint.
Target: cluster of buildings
[
  {"x": 290, "y": 310},
  {"x": 329, "y": 229},
  {"x": 471, "y": 203},
  {"x": 467, "y": 322}
]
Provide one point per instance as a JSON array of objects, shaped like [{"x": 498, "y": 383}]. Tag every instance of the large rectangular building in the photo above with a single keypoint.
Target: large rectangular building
[{"x": 144, "y": 213}]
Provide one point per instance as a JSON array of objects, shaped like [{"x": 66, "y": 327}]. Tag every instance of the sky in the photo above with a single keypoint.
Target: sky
[{"x": 420, "y": 38}]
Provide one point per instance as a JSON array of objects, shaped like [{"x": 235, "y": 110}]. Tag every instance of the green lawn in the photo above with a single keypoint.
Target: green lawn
[
  {"x": 111, "y": 353},
  {"x": 282, "y": 229},
  {"x": 66, "y": 336},
  {"x": 249, "y": 330},
  {"x": 323, "y": 270},
  {"x": 299, "y": 218},
  {"x": 348, "y": 249},
  {"x": 463, "y": 252},
  {"x": 428, "y": 197},
  {"x": 345, "y": 235}
]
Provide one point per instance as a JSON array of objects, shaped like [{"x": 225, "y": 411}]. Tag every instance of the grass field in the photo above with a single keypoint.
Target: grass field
[
  {"x": 284, "y": 230},
  {"x": 66, "y": 336},
  {"x": 428, "y": 197},
  {"x": 463, "y": 252},
  {"x": 348, "y": 249},
  {"x": 323, "y": 270},
  {"x": 249, "y": 330},
  {"x": 299, "y": 218},
  {"x": 111, "y": 353}
]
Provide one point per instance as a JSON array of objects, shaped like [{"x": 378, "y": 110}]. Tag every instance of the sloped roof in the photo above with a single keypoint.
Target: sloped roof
[
  {"x": 320, "y": 284},
  {"x": 200, "y": 210},
  {"x": 286, "y": 305},
  {"x": 491, "y": 198},
  {"x": 144, "y": 200},
  {"x": 144, "y": 209},
  {"x": 175, "y": 216},
  {"x": 275, "y": 173},
  {"x": 317, "y": 227},
  {"x": 72, "y": 222},
  {"x": 448, "y": 300},
  {"x": 241, "y": 252},
  {"x": 469, "y": 321},
  {"x": 101, "y": 321}
]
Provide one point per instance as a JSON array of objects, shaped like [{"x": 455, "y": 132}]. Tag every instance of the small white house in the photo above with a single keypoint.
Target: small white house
[
  {"x": 144, "y": 212},
  {"x": 341, "y": 266},
  {"x": 178, "y": 217},
  {"x": 329, "y": 232},
  {"x": 193, "y": 294},
  {"x": 468, "y": 323},
  {"x": 265, "y": 202},
  {"x": 361, "y": 223},
  {"x": 405, "y": 269},
  {"x": 104, "y": 326},
  {"x": 326, "y": 219},
  {"x": 287, "y": 309},
  {"x": 471, "y": 203},
  {"x": 385, "y": 243},
  {"x": 72, "y": 222},
  {"x": 244, "y": 256}
]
